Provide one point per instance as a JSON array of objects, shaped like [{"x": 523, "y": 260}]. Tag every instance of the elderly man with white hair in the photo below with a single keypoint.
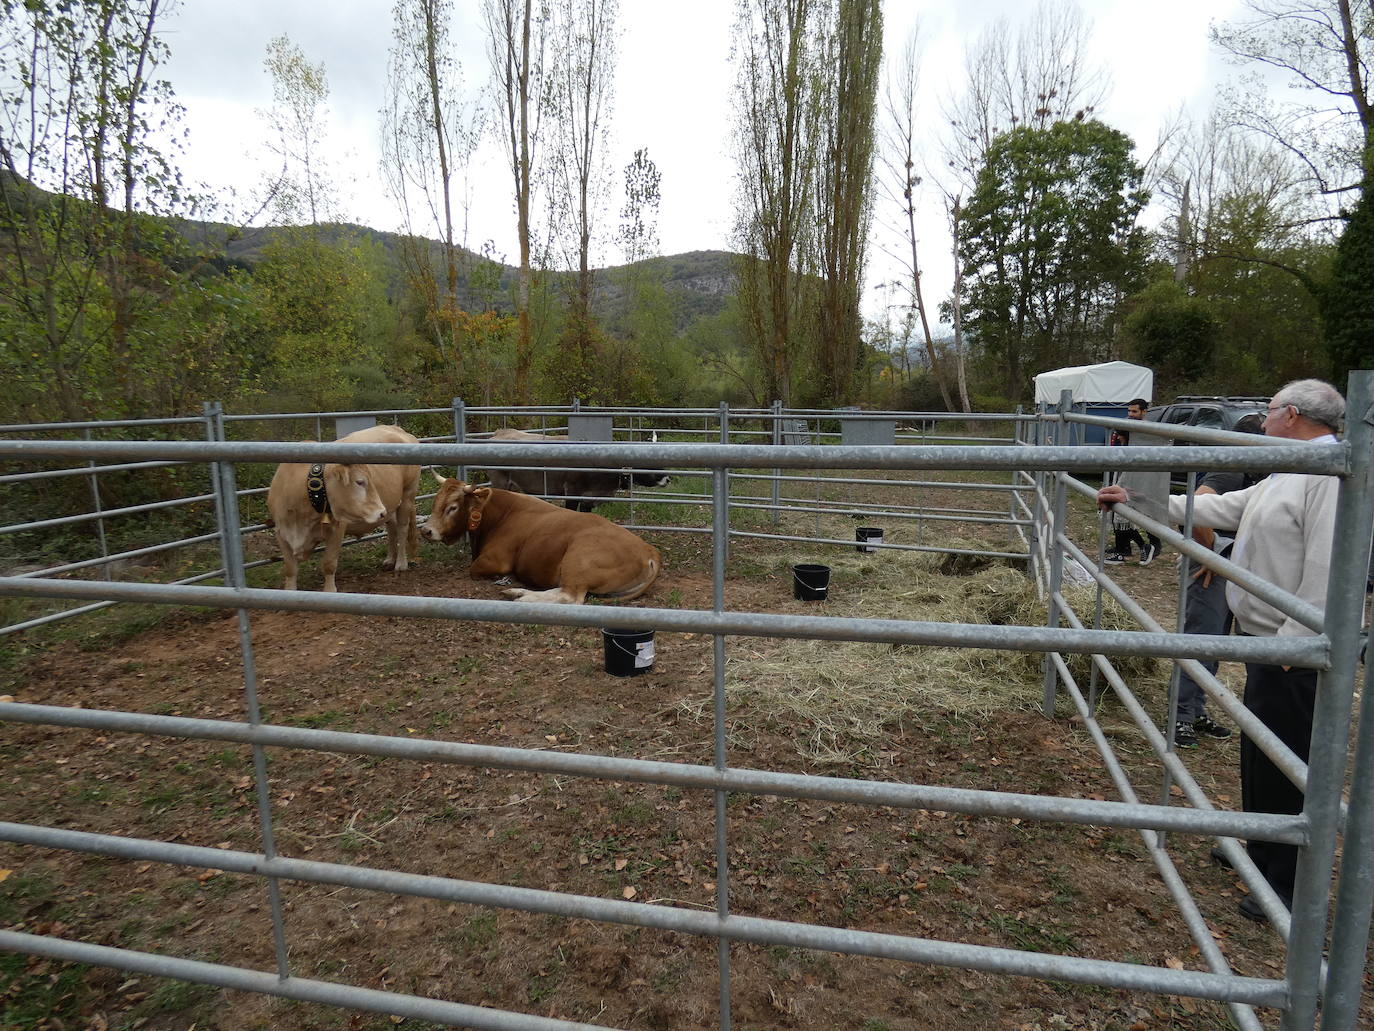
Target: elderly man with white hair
[{"x": 1283, "y": 528}]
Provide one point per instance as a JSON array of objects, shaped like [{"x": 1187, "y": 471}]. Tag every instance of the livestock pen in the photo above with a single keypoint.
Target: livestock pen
[{"x": 755, "y": 811}]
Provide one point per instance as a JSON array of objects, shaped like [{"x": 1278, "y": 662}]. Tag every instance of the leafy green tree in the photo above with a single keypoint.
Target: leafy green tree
[
  {"x": 1173, "y": 333},
  {"x": 429, "y": 133},
  {"x": 304, "y": 188},
  {"x": 1050, "y": 246},
  {"x": 516, "y": 38},
  {"x": 847, "y": 112},
  {"x": 324, "y": 315},
  {"x": 81, "y": 267},
  {"x": 1349, "y": 307},
  {"x": 776, "y": 106}
]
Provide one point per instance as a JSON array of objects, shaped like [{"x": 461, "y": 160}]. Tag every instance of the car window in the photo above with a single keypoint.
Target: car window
[
  {"x": 1208, "y": 417},
  {"x": 1178, "y": 416}
]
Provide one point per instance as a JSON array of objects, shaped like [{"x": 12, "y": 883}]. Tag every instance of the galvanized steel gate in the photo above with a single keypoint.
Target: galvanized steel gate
[{"x": 1046, "y": 467}]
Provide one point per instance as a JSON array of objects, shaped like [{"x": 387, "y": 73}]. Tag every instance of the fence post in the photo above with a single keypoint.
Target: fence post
[
  {"x": 1056, "y": 556},
  {"x": 724, "y": 480},
  {"x": 231, "y": 554},
  {"x": 94, "y": 479},
  {"x": 1345, "y": 603},
  {"x": 777, "y": 440},
  {"x": 720, "y": 523},
  {"x": 460, "y": 432}
]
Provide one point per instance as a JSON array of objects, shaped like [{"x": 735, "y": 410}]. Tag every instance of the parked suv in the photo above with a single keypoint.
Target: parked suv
[{"x": 1215, "y": 413}]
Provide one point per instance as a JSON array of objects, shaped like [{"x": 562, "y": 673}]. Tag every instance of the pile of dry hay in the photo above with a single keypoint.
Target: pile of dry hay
[{"x": 840, "y": 698}]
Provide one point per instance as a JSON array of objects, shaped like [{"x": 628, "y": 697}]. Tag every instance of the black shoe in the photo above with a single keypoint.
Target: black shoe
[
  {"x": 1147, "y": 554},
  {"x": 1220, "y": 858},
  {"x": 1204, "y": 725},
  {"x": 1250, "y": 909},
  {"x": 1114, "y": 558},
  {"x": 1184, "y": 736}
]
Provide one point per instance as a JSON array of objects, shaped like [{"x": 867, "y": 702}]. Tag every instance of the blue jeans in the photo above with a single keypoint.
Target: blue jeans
[{"x": 1207, "y": 613}]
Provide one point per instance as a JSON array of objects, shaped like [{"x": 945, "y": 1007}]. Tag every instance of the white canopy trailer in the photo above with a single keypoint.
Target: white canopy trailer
[
  {"x": 1103, "y": 389},
  {"x": 1113, "y": 383}
]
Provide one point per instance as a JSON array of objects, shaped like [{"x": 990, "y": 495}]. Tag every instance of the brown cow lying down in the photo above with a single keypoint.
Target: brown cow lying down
[
  {"x": 566, "y": 555},
  {"x": 356, "y": 500}
]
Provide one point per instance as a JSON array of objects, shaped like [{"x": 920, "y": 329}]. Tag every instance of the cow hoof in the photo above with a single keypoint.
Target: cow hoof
[
  {"x": 514, "y": 593},
  {"x": 390, "y": 564}
]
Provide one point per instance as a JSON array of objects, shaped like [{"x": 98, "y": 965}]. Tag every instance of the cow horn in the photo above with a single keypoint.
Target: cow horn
[{"x": 442, "y": 479}]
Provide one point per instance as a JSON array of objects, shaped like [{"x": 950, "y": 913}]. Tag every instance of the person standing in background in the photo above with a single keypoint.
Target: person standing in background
[
  {"x": 1207, "y": 611},
  {"x": 1124, "y": 533}
]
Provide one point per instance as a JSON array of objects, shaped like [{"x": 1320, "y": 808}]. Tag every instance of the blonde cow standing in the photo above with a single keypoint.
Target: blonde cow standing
[{"x": 346, "y": 499}]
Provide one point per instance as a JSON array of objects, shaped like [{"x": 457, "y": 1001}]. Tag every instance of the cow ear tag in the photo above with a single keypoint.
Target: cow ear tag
[{"x": 474, "y": 520}]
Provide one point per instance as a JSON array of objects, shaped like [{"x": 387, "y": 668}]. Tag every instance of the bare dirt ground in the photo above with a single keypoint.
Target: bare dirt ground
[{"x": 1083, "y": 891}]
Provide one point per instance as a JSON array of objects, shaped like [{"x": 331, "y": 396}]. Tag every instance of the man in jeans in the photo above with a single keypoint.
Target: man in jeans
[
  {"x": 1207, "y": 611},
  {"x": 1123, "y": 533}
]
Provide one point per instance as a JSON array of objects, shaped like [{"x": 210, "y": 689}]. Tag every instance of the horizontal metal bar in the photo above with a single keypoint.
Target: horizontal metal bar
[
  {"x": 412, "y": 1007},
  {"x": 121, "y": 556},
  {"x": 885, "y": 546},
  {"x": 1251, "y": 725},
  {"x": 379, "y": 413},
  {"x": 1289, "y": 604},
  {"x": 1327, "y": 459},
  {"x": 1199, "y": 434},
  {"x": 55, "y": 617},
  {"x": 757, "y": 930},
  {"x": 1288, "y": 651},
  {"x": 929, "y": 484},
  {"x": 108, "y": 513},
  {"x": 30, "y": 427},
  {"x": 1262, "y": 826},
  {"x": 51, "y": 474}
]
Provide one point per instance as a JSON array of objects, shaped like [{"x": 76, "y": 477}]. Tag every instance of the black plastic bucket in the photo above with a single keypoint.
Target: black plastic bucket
[
  {"x": 810, "y": 582},
  {"x": 628, "y": 652},
  {"x": 864, "y": 534}
]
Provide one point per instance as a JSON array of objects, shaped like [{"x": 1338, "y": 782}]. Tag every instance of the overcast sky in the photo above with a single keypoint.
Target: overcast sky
[{"x": 672, "y": 96}]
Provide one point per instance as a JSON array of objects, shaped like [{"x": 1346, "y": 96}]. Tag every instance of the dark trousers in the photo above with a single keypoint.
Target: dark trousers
[
  {"x": 1284, "y": 700},
  {"x": 1207, "y": 613},
  {"x": 1125, "y": 536}
]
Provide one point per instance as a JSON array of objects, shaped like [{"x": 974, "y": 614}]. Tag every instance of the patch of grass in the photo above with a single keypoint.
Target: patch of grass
[
  {"x": 544, "y": 983},
  {"x": 633, "y": 814},
  {"x": 179, "y": 997},
  {"x": 478, "y": 931},
  {"x": 22, "y": 893},
  {"x": 317, "y": 720},
  {"x": 40, "y": 998},
  {"x": 1116, "y": 845},
  {"x": 1029, "y": 936}
]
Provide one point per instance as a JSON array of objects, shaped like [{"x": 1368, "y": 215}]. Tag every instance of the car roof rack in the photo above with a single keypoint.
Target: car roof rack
[{"x": 1217, "y": 397}]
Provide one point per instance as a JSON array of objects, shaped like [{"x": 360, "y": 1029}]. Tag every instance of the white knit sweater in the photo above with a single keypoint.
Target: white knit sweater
[{"x": 1283, "y": 530}]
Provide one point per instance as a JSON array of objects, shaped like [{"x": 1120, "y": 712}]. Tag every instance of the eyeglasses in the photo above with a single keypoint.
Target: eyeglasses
[{"x": 1274, "y": 408}]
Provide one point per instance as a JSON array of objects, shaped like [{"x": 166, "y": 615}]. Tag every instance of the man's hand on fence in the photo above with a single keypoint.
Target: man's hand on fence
[{"x": 1109, "y": 496}]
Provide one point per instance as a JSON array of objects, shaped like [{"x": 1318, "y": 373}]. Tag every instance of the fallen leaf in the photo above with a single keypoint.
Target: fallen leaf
[
  {"x": 551, "y": 738},
  {"x": 5, "y": 873},
  {"x": 620, "y": 864},
  {"x": 1173, "y": 962},
  {"x": 628, "y": 892}
]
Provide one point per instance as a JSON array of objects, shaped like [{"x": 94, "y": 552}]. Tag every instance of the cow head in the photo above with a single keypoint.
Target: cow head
[
  {"x": 645, "y": 477},
  {"x": 457, "y": 510},
  {"x": 352, "y": 496}
]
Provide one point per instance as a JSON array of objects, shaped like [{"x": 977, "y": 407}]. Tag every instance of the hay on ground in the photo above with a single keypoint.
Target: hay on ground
[{"x": 839, "y": 699}]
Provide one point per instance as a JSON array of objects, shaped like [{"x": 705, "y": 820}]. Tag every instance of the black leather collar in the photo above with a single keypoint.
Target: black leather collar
[{"x": 314, "y": 488}]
